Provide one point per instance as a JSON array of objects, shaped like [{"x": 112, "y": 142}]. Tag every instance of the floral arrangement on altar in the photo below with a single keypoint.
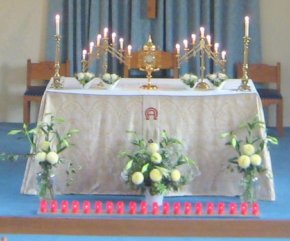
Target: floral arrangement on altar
[
  {"x": 84, "y": 77},
  {"x": 110, "y": 79},
  {"x": 46, "y": 146},
  {"x": 248, "y": 160},
  {"x": 158, "y": 167},
  {"x": 217, "y": 79},
  {"x": 189, "y": 79}
]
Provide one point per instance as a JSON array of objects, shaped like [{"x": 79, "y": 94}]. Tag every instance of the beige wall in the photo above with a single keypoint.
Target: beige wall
[{"x": 23, "y": 33}]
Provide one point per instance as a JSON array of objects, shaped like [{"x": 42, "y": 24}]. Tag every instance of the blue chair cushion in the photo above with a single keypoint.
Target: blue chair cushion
[
  {"x": 269, "y": 94},
  {"x": 35, "y": 91}
]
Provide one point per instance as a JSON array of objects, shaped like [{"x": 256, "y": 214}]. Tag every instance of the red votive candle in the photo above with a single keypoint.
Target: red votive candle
[
  {"x": 86, "y": 207},
  {"x": 187, "y": 208},
  {"x": 255, "y": 209},
  {"x": 210, "y": 208},
  {"x": 109, "y": 207},
  {"x": 53, "y": 206},
  {"x": 166, "y": 208},
  {"x": 155, "y": 208},
  {"x": 198, "y": 208},
  {"x": 176, "y": 208},
  {"x": 221, "y": 208},
  {"x": 132, "y": 207},
  {"x": 244, "y": 208},
  {"x": 75, "y": 206},
  {"x": 64, "y": 206},
  {"x": 233, "y": 208},
  {"x": 43, "y": 206},
  {"x": 98, "y": 207},
  {"x": 143, "y": 207},
  {"x": 120, "y": 207}
]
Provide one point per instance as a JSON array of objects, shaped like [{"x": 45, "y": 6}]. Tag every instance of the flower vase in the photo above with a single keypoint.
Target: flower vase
[
  {"x": 249, "y": 189},
  {"x": 150, "y": 199},
  {"x": 45, "y": 182}
]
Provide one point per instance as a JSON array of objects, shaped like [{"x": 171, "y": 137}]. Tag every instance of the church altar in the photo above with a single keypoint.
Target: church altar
[{"x": 197, "y": 118}]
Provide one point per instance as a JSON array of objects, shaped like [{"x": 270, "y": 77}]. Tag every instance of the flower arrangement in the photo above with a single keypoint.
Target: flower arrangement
[
  {"x": 158, "y": 167},
  {"x": 217, "y": 78},
  {"x": 248, "y": 160},
  {"x": 46, "y": 145},
  {"x": 189, "y": 79},
  {"x": 84, "y": 77},
  {"x": 110, "y": 79}
]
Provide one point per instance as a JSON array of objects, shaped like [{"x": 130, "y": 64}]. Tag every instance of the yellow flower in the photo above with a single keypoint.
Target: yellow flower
[
  {"x": 153, "y": 147},
  {"x": 256, "y": 160},
  {"x": 244, "y": 161},
  {"x": 175, "y": 175},
  {"x": 137, "y": 178},
  {"x": 156, "y": 158},
  {"x": 155, "y": 175},
  {"x": 248, "y": 149},
  {"x": 45, "y": 145},
  {"x": 52, "y": 157},
  {"x": 40, "y": 156}
]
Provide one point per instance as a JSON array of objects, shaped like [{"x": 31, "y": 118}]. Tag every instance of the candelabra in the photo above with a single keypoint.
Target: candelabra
[
  {"x": 56, "y": 84},
  {"x": 104, "y": 46},
  {"x": 204, "y": 48},
  {"x": 245, "y": 79}
]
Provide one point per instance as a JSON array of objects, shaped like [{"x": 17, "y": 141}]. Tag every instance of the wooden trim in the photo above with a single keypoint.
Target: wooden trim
[{"x": 146, "y": 227}]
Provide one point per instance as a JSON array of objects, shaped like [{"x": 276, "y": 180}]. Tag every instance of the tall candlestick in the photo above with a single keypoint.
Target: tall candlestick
[
  {"x": 121, "y": 41},
  {"x": 57, "y": 20},
  {"x": 129, "y": 50},
  {"x": 216, "y": 47},
  {"x": 193, "y": 38},
  {"x": 177, "y": 46},
  {"x": 84, "y": 54},
  {"x": 208, "y": 39},
  {"x": 106, "y": 32},
  {"x": 202, "y": 32},
  {"x": 91, "y": 47},
  {"x": 185, "y": 43},
  {"x": 99, "y": 36},
  {"x": 247, "y": 21},
  {"x": 114, "y": 37}
]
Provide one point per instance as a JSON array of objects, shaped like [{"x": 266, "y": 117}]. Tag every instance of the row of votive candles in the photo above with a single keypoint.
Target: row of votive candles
[{"x": 176, "y": 208}]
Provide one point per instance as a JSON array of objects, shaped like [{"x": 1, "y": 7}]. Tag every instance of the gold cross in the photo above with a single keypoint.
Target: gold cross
[{"x": 151, "y": 9}]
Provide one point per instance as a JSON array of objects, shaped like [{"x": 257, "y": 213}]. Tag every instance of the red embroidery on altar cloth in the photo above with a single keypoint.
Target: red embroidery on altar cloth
[{"x": 151, "y": 112}]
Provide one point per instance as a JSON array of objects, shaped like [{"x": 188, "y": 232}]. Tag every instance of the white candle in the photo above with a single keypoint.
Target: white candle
[
  {"x": 106, "y": 32},
  {"x": 216, "y": 47},
  {"x": 247, "y": 21},
  {"x": 177, "y": 46},
  {"x": 99, "y": 36},
  {"x": 114, "y": 37},
  {"x": 57, "y": 19},
  {"x": 84, "y": 54},
  {"x": 91, "y": 47},
  {"x": 185, "y": 43},
  {"x": 193, "y": 38},
  {"x": 224, "y": 55},
  {"x": 208, "y": 39},
  {"x": 129, "y": 50},
  {"x": 121, "y": 40},
  {"x": 202, "y": 32}
]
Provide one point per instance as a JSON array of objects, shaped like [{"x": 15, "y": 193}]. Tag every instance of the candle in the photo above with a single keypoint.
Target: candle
[
  {"x": 121, "y": 41},
  {"x": 166, "y": 208},
  {"x": 193, "y": 38},
  {"x": 75, "y": 206},
  {"x": 98, "y": 207},
  {"x": 177, "y": 46},
  {"x": 84, "y": 54},
  {"x": 53, "y": 206},
  {"x": 216, "y": 47},
  {"x": 198, "y": 208},
  {"x": 57, "y": 20},
  {"x": 208, "y": 37},
  {"x": 224, "y": 55},
  {"x": 202, "y": 32},
  {"x": 187, "y": 208},
  {"x": 86, "y": 207},
  {"x": 43, "y": 206},
  {"x": 91, "y": 47},
  {"x": 185, "y": 43},
  {"x": 106, "y": 32},
  {"x": 64, "y": 206},
  {"x": 99, "y": 36},
  {"x": 143, "y": 207},
  {"x": 120, "y": 207},
  {"x": 129, "y": 50},
  {"x": 221, "y": 208},
  {"x": 247, "y": 21},
  {"x": 155, "y": 208},
  {"x": 114, "y": 38}
]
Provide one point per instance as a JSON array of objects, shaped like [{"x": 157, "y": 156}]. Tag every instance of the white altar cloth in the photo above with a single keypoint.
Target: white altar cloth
[{"x": 198, "y": 118}]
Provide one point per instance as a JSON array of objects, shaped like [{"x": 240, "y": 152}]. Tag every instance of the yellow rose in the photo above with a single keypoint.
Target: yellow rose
[
  {"x": 256, "y": 160},
  {"x": 137, "y": 178},
  {"x": 153, "y": 147},
  {"x": 40, "y": 156},
  {"x": 156, "y": 158},
  {"x": 45, "y": 145},
  {"x": 244, "y": 161},
  {"x": 175, "y": 175},
  {"x": 52, "y": 157},
  {"x": 155, "y": 175},
  {"x": 248, "y": 149}
]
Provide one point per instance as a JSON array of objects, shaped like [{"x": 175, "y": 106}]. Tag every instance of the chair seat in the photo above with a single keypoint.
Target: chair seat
[
  {"x": 269, "y": 94},
  {"x": 35, "y": 91}
]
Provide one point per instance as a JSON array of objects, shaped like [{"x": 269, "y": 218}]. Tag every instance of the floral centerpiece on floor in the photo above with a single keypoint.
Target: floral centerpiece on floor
[
  {"x": 248, "y": 145},
  {"x": 217, "y": 79},
  {"x": 189, "y": 79},
  {"x": 46, "y": 146},
  {"x": 84, "y": 77},
  {"x": 158, "y": 167}
]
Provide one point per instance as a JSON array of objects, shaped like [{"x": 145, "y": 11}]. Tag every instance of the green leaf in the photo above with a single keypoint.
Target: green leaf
[
  {"x": 14, "y": 132},
  {"x": 145, "y": 168},
  {"x": 129, "y": 164}
]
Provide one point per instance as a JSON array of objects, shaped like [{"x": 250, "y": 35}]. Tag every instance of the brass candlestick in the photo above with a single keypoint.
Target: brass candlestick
[
  {"x": 245, "y": 79},
  {"x": 56, "y": 84}
]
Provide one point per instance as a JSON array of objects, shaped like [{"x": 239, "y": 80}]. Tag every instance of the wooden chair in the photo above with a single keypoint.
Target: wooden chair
[
  {"x": 168, "y": 61},
  {"x": 269, "y": 77},
  {"x": 37, "y": 77}
]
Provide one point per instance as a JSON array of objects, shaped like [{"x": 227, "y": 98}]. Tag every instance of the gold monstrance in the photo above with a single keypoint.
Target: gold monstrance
[{"x": 149, "y": 61}]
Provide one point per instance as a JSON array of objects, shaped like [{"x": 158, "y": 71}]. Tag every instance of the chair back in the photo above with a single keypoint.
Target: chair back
[{"x": 167, "y": 61}]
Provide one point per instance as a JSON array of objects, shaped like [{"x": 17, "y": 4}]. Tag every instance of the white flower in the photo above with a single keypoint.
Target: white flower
[
  {"x": 256, "y": 160},
  {"x": 156, "y": 158},
  {"x": 114, "y": 77},
  {"x": 90, "y": 75},
  {"x": 248, "y": 149},
  {"x": 155, "y": 175},
  {"x": 175, "y": 175},
  {"x": 52, "y": 157},
  {"x": 137, "y": 178},
  {"x": 81, "y": 75},
  {"x": 185, "y": 77},
  {"x": 106, "y": 76},
  {"x": 153, "y": 147},
  {"x": 45, "y": 145},
  {"x": 244, "y": 161},
  {"x": 40, "y": 156}
]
